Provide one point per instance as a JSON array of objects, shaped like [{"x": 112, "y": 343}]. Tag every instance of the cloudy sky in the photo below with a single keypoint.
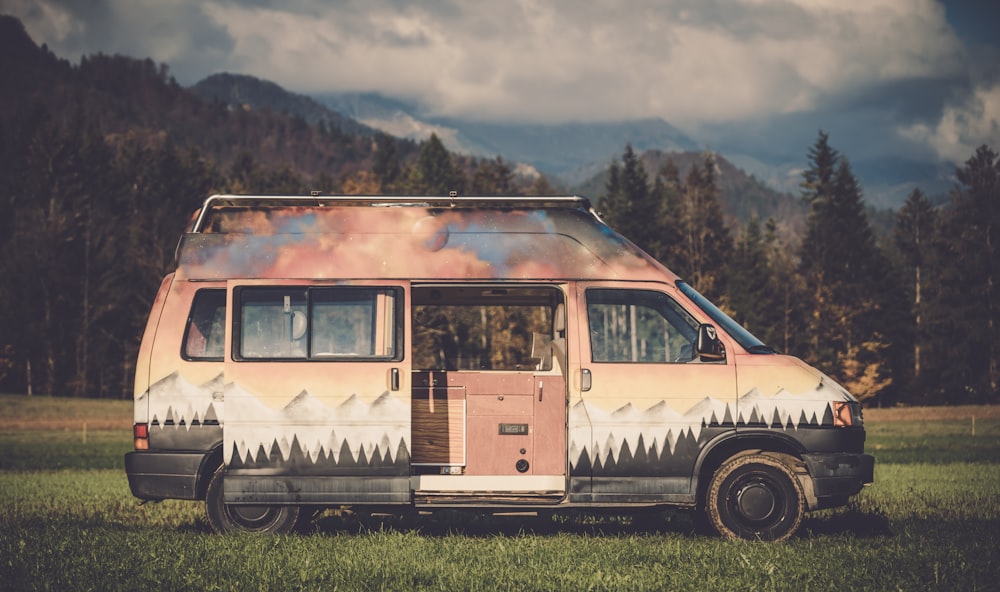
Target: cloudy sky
[{"x": 913, "y": 77}]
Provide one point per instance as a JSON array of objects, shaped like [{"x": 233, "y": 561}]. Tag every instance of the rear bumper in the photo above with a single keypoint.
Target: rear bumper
[
  {"x": 156, "y": 475},
  {"x": 839, "y": 475}
]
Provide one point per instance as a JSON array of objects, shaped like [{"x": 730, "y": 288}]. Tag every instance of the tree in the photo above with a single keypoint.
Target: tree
[
  {"x": 707, "y": 240},
  {"x": 845, "y": 274},
  {"x": 666, "y": 245},
  {"x": 969, "y": 280},
  {"x": 433, "y": 173},
  {"x": 493, "y": 177},
  {"x": 613, "y": 205},
  {"x": 385, "y": 163},
  {"x": 751, "y": 293},
  {"x": 913, "y": 237},
  {"x": 627, "y": 205}
]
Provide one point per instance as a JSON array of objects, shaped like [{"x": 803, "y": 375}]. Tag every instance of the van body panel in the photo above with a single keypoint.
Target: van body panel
[
  {"x": 320, "y": 411},
  {"x": 185, "y": 395},
  {"x": 424, "y": 243},
  {"x": 649, "y": 403},
  {"x": 140, "y": 389}
]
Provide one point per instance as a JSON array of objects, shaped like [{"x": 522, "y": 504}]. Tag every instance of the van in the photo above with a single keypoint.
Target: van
[{"x": 490, "y": 353}]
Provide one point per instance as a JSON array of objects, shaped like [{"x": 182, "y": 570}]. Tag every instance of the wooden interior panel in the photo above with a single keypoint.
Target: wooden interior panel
[{"x": 438, "y": 426}]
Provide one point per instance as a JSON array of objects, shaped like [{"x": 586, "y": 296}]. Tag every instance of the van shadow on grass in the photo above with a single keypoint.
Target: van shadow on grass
[
  {"x": 848, "y": 521},
  {"x": 441, "y": 523},
  {"x": 476, "y": 524}
]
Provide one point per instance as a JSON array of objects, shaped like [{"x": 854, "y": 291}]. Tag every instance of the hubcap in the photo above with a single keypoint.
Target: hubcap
[
  {"x": 251, "y": 516},
  {"x": 756, "y": 502}
]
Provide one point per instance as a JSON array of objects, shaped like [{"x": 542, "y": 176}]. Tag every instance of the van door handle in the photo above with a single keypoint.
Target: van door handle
[
  {"x": 586, "y": 380},
  {"x": 540, "y": 387},
  {"x": 394, "y": 379}
]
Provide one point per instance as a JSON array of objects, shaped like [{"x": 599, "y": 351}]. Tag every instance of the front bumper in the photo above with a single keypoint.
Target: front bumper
[
  {"x": 838, "y": 474},
  {"x": 154, "y": 475}
]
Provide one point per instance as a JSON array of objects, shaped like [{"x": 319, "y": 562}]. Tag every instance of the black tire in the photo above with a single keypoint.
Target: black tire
[
  {"x": 225, "y": 518},
  {"x": 755, "y": 497}
]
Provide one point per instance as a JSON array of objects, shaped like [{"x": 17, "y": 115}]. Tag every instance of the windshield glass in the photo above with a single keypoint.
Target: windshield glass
[{"x": 734, "y": 329}]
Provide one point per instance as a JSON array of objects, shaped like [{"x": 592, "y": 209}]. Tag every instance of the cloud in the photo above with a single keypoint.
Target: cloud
[
  {"x": 963, "y": 126},
  {"x": 892, "y": 73},
  {"x": 683, "y": 60}
]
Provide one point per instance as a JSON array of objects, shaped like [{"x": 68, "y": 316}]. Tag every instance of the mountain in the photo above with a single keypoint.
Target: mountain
[
  {"x": 137, "y": 102},
  {"x": 242, "y": 91},
  {"x": 576, "y": 154},
  {"x": 743, "y": 196},
  {"x": 567, "y": 151}
]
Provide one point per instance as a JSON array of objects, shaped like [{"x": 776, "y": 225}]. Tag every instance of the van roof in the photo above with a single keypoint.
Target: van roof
[{"x": 407, "y": 237}]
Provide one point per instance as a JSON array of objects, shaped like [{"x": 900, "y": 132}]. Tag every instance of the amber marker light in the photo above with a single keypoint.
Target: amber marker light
[
  {"x": 846, "y": 414},
  {"x": 140, "y": 432}
]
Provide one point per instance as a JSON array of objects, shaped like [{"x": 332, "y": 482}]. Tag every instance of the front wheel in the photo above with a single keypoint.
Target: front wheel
[
  {"x": 223, "y": 517},
  {"x": 755, "y": 497}
]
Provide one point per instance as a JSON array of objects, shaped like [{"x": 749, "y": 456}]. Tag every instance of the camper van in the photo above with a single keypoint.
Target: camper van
[{"x": 495, "y": 354}]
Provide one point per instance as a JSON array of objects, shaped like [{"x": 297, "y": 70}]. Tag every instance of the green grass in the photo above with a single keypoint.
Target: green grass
[
  {"x": 930, "y": 522},
  {"x": 32, "y": 450},
  {"x": 63, "y": 412},
  {"x": 936, "y": 441}
]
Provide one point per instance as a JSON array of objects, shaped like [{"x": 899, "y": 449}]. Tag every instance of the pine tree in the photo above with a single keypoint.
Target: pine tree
[
  {"x": 969, "y": 282},
  {"x": 613, "y": 205},
  {"x": 913, "y": 237},
  {"x": 844, "y": 272},
  {"x": 385, "y": 163},
  {"x": 668, "y": 220},
  {"x": 749, "y": 287},
  {"x": 628, "y": 206},
  {"x": 493, "y": 177},
  {"x": 433, "y": 173},
  {"x": 707, "y": 240}
]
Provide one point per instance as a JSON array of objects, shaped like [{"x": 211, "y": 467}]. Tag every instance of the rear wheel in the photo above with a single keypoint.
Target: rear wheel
[
  {"x": 225, "y": 517},
  {"x": 755, "y": 497}
]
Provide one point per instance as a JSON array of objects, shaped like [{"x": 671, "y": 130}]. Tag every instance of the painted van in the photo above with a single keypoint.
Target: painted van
[{"x": 498, "y": 354}]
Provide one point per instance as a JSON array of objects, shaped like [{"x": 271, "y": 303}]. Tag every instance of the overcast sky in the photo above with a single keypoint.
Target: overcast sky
[{"x": 921, "y": 75}]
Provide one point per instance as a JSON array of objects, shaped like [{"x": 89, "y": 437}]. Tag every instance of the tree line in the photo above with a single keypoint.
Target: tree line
[
  {"x": 89, "y": 222},
  {"x": 908, "y": 318}
]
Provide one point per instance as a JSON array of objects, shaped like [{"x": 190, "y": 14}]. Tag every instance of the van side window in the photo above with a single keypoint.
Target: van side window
[
  {"x": 317, "y": 323},
  {"x": 485, "y": 327},
  {"x": 204, "y": 336},
  {"x": 640, "y": 326},
  {"x": 480, "y": 337}
]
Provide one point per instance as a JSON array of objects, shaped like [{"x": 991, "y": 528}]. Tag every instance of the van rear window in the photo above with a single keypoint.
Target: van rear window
[
  {"x": 204, "y": 337},
  {"x": 329, "y": 323}
]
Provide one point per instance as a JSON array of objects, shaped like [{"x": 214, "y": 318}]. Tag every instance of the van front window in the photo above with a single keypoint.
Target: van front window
[
  {"x": 724, "y": 321},
  {"x": 639, "y": 326}
]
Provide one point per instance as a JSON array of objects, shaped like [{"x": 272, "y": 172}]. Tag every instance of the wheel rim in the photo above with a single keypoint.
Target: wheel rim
[
  {"x": 757, "y": 501},
  {"x": 252, "y": 517}
]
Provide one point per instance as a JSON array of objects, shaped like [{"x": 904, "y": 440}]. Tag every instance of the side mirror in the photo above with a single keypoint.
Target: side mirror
[{"x": 710, "y": 349}]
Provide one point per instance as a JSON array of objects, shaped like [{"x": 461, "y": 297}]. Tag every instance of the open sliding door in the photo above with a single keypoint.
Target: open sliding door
[{"x": 489, "y": 394}]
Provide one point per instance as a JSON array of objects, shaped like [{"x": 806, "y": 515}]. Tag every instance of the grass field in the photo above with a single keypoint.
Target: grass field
[{"x": 68, "y": 522}]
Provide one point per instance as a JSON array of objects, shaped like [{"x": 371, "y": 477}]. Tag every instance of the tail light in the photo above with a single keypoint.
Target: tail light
[{"x": 140, "y": 432}]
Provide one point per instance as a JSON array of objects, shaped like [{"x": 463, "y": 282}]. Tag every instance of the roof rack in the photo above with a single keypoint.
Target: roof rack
[{"x": 318, "y": 200}]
